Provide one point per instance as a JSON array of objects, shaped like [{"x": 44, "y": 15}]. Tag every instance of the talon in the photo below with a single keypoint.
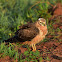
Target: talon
[{"x": 33, "y": 47}]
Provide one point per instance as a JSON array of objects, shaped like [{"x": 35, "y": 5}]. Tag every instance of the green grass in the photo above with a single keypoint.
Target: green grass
[{"x": 7, "y": 51}]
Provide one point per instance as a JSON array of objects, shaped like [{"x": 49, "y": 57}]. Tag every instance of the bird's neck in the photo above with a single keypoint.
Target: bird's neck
[{"x": 44, "y": 29}]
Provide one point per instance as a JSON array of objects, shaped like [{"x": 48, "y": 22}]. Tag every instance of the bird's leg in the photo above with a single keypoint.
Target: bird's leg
[{"x": 33, "y": 47}]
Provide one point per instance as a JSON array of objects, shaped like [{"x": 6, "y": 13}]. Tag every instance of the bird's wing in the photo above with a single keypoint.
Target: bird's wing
[
  {"x": 26, "y": 26},
  {"x": 27, "y": 33}
]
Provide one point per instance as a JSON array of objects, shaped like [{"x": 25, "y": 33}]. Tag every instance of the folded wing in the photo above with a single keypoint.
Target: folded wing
[{"x": 27, "y": 32}]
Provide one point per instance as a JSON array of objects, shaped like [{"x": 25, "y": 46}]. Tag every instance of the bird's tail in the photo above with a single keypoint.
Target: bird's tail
[{"x": 11, "y": 40}]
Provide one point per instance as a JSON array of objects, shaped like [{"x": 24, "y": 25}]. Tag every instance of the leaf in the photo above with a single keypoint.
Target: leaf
[
  {"x": 37, "y": 53},
  {"x": 26, "y": 53},
  {"x": 40, "y": 59}
]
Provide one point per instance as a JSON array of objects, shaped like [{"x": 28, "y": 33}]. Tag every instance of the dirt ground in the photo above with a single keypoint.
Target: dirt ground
[{"x": 52, "y": 48}]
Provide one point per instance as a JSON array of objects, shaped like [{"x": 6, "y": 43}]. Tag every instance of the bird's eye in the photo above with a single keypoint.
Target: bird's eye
[{"x": 41, "y": 23}]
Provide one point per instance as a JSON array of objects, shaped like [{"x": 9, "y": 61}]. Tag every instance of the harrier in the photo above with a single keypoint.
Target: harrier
[{"x": 31, "y": 33}]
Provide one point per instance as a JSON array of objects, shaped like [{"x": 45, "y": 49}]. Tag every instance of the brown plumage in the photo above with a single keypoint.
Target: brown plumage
[
  {"x": 27, "y": 32},
  {"x": 31, "y": 33}
]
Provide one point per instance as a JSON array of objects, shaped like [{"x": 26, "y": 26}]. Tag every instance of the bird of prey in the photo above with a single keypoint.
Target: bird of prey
[{"x": 31, "y": 33}]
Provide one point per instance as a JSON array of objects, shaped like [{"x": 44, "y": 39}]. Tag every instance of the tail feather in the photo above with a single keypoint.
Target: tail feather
[{"x": 11, "y": 40}]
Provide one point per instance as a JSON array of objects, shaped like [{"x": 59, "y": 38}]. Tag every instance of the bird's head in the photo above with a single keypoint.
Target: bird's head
[{"x": 41, "y": 22}]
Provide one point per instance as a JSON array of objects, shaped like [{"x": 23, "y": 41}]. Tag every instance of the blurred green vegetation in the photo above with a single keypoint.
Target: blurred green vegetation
[
  {"x": 8, "y": 51},
  {"x": 14, "y": 13}
]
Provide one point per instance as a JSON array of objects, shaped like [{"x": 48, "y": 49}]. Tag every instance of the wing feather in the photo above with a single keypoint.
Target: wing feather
[{"x": 28, "y": 32}]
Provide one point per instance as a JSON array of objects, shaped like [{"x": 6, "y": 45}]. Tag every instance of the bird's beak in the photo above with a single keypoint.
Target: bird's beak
[{"x": 43, "y": 24}]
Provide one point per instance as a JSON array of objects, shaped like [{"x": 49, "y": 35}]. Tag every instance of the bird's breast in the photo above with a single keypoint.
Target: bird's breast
[{"x": 44, "y": 29}]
